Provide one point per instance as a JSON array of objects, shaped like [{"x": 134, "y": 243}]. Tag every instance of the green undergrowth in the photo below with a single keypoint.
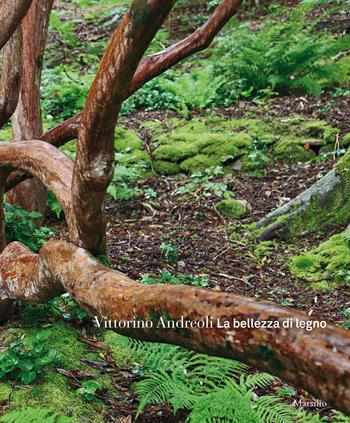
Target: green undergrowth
[
  {"x": 207, "y": 387},
  {"x": 326, "y": 265},
  {"x": 51, "y": 389}
]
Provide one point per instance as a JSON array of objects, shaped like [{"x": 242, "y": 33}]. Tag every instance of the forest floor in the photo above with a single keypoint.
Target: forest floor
[
  {"x": 214, "y": 248},
  {"x": 221, "y": 249}
]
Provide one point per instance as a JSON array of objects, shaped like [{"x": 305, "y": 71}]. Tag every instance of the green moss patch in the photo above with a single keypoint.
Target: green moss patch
[
  {"x": 176, "y": 151},
  {"x": 215, "y": 141},
  {"x": 320, "y": 130},
  {"x": 198, "y": 162},
  {"x": 126, "y": 140},
  {"x": 325, "y": 265},
  {"x": 293, "y": 150},
  {"x": 232, "y": 208},
  {"x": 346, "y": 140},
  {"x": 163, "y": 167},
  {"x": 51, "y": 390}
]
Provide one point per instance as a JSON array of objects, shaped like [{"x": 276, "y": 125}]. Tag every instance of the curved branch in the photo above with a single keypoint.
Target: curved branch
[
  {"x": 155, "y": 64},
  {"x": 294, "y": 354},
  {"x": 63, "y": 132},
  {"x": 10, "y": 77},
  {"x": 11, "y": 14},
  {"x": 94, "y": 164},
  {"x": 42, "y": 160}
]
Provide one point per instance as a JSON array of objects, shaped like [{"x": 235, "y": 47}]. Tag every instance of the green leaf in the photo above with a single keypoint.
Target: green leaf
[
  {"x": 25, "y": 365},
  {"x": 35, "y": 215},
  {"x": 91, "y": 385},
  {"x": 28, "y": 377}
]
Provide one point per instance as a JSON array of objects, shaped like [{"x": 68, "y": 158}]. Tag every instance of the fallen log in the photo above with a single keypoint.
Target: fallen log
[{"x": 317, "y": 360}]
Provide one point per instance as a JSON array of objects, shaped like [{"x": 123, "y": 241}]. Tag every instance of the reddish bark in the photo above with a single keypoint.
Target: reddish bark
[
  {"x": 52, "y": 167},
  {"x": 318, "y": 360},
  {"x": 155, "y": 64},
  {"x": 27, "y": 123},
  {"x": 95, "y": 152},
  {"x": 150, "y": 67},
  {"x": 11, "y": 14},
  {"x": 10, "y": 77}
]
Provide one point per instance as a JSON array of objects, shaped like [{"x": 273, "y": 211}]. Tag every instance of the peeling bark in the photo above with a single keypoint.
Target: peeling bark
[
  {"x": 95, "y": 152},
  {"x": 155, "y": 64},
  {"x": 11, "y": 14},
  {"x": 318, "y": 360},
  {"x": 10, "y": 77},
  {"x": 27, "y": 123}
]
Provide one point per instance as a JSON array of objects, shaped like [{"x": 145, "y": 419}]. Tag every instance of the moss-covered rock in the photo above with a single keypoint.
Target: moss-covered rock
[
  {"x": 242, "y": 140},
  {"x": 346, "y": 140},
  {"x": 175, "y": 151},
  {"x": 163, "y": 167},
  {"x": 222, "y": 151},
  {"x": 215, "y": 140},
  {"x": 319, "y": 129},
  {"x": 188, "y": 132},
  {"x": 197, "y": 162},
  {"x": 292, "y": 149},
  {"x": 232, "y": 208},
  {"x": 329, "y": 262},
  {"x": 126, "y": 140},
  {"x": 255, "y": 128}
]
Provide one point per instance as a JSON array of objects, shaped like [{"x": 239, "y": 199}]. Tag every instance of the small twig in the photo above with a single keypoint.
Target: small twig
[
  {"x": 222, "y": 253},
  {"x": 336, "y": 146},
  {"x": 235, "y": 278}
]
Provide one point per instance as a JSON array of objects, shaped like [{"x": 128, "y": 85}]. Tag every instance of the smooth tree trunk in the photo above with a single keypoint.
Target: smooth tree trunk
[
  {"x": 11, "y": 14},
  {"x": 11, "y": 77},
  {"x": 27, "y": 123},
  {"x": 94, "y": 166}
]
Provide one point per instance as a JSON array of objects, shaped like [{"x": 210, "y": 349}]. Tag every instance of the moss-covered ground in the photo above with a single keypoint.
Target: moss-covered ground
[
  {"x": 56, "y": 387},
  {"x": 180, "y": 146}
]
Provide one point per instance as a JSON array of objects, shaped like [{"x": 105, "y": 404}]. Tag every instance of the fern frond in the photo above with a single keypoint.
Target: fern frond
[
  {"x": 261, "y": 380},
  {"x": 157, "y": 388},
  {"x": 340, "y": 418},
  {"x": 34, "y": 415},
  {"x": 272, "y": 410},
  {"x": 227, "y": 404}
]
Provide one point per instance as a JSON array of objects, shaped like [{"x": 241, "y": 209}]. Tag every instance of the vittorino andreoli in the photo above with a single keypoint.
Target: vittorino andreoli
[{"x": 207, "y": 322}]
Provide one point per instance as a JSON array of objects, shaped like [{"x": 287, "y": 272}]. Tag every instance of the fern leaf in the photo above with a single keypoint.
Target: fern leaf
[{"x": 34, "y": 415}]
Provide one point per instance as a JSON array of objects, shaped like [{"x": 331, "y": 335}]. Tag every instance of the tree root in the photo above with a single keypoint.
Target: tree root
[{"x": 316, "y": 360}]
